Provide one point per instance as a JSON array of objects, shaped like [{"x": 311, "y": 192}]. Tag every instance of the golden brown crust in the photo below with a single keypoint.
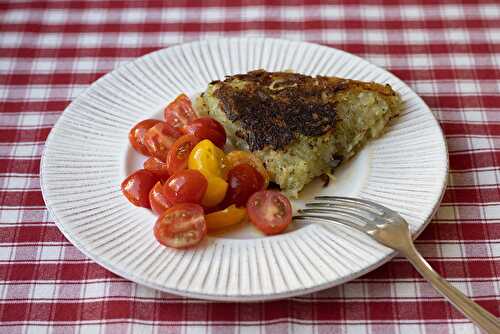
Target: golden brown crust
[{"x": 274, "y": 108}]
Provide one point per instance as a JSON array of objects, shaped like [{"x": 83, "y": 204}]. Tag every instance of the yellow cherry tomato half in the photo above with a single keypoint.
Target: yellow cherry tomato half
[
  {"x": 208, "y": 158},
  {"x": 223, "y": 218},
  {"x": 235, "y": 158},
  {"x": 216, "y": 190}
]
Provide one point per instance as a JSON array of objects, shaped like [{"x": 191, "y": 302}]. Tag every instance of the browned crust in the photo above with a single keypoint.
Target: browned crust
[{"x": 274, "y": 108}]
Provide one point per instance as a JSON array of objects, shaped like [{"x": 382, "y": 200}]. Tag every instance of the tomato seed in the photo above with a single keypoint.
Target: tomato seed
[{"x": 183, "y": 150}]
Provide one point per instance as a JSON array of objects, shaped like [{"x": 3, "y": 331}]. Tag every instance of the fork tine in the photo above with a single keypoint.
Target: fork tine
[
  {"x": 339, "y": 202},
  {"x": 340, "y": 221},
  {"x": 344, "y": 200},
  {"x": 343, "y": 212},
  {"x": 336, "y": 207}
]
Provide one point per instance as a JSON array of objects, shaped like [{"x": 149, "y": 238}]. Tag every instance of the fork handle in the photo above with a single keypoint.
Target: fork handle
[{"x": 484, "y": 319}]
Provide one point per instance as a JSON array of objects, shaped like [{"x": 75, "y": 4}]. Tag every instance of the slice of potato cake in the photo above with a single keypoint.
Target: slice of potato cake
[{"x": 300, "y": 126}]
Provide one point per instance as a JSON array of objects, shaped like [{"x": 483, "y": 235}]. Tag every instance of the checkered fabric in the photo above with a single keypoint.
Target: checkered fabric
[{"x": 52, "y": 50}]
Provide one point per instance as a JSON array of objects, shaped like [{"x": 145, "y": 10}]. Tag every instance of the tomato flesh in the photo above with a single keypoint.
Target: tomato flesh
[
  {"x": 237, "y": 157},
  {"x": 136, "y": 187},
  {"x": 244, "y": 180},
  {"x": 179, "y": 112},
  {"x": 186, "y": 186},
  {"x": 216, "y": 190},
  {"x": 177, "y": 157},
  {"x": 137, "y": 134},
  {"x": 157, "y": 167},
  {"x": 157, "y": 199},
  {"x": 207, "y": 158},
  {"x": 224, "y": 218},
  {"x": 270, "y": 211},
  {"x": 207, "y": 128},
  {"x": 181, "y": 226},
  {"x": 160, "y": 138}
]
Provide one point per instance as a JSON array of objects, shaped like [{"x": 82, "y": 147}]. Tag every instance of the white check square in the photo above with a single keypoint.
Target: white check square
[
  {"x": 43, "y": 291},
  {"x": 134, "y": 16},
  {"x": 372, "y": 12},
  {"x": 54, "y": 16},
  {"x": 15, "y": 16}
]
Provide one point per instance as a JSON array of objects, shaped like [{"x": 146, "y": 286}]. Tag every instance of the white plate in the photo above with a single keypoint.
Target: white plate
[{"x": 87, "y": 155}]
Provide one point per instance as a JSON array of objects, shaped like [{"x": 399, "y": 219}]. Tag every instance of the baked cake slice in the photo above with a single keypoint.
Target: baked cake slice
[{"x": 300, "y": 126}]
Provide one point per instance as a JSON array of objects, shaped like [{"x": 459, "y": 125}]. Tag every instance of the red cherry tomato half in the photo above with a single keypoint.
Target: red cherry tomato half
[
  {"x": 181, "y": 226},
  {"x": 137, "y": 133},
  {"x": 160, "y": 138},
  {"x": 207, "y": 128},
  {"x": 270, "y": 211},
  {"x": 179, "y": 113},
  {"x": 137, "y": 185},
  {"x": 243, "y": 181},
  {"x": 157, "y": 167},
  {"x": 158, "y": 201},
  {"x": 177, "y": 157},
  {"x": 186, "y": 186}
]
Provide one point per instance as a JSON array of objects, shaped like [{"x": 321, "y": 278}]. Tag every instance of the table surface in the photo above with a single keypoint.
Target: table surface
[{"x": 50, "y": 51}]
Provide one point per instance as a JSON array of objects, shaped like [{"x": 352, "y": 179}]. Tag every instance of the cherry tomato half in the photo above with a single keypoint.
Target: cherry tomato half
[
  {"x": 179, "y": 112},
  {"x": 177, "y": 157},
  {"x": 181, "y": 226},
  {"x": 186, "y": 186},
  {"x": 136, "y": 187},
  {"x": 243, "y": 181},
  {"x": 160, "y": 138},
  {"x": 207, "y": 128},
  {"x": 158, "y": 201},
  {"x": 137, "y": 133},
  {"x": 236, "y": 157},
  {"x": 270, "y": 211},
  {"x": 207, "y": 157},
  {"x": 227, "y": 217},
  {"x": 216, "y": 190},
  {"x": 157, "y": 167}
]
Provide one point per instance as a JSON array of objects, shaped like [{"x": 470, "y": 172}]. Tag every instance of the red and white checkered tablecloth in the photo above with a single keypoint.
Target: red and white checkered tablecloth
[{"x": 50, "y": 51}]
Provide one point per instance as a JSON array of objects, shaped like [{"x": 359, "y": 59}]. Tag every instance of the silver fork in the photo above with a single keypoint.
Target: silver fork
[{"x": 390, "y": 229}]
